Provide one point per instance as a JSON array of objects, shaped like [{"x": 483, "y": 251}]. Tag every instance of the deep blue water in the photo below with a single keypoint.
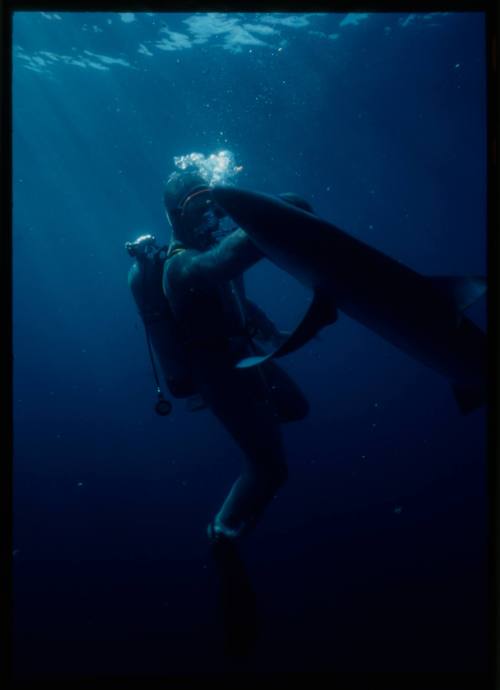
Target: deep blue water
[{"x": 373, "y": 556}]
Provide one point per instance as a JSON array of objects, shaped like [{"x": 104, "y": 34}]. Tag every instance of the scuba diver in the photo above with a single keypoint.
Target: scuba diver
[
  {"x": 199, "y": 323},
  {"x": 202, "y": 284}
]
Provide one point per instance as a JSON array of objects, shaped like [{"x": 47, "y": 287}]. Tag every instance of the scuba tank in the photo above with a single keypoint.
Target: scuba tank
[{"x": 164, "y": 344}]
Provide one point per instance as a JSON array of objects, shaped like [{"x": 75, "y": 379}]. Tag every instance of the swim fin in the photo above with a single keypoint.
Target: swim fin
[{"x": 237, "y": 600}]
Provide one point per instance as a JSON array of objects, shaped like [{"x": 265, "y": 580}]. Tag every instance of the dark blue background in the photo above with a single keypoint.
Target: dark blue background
[{"x": 373, "y": 557}]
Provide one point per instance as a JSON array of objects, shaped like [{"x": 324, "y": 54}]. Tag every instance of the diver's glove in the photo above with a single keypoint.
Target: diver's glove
[
  {"x": 270, "y": 335},
  {"x": 261, "y": 327}
]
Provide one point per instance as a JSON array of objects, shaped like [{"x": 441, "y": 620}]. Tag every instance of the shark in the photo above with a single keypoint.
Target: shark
[{"x": 421, "y": 315}]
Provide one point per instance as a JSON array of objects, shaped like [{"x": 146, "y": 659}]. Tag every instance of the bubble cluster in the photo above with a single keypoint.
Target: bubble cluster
[{"x": 217, "y": 168}]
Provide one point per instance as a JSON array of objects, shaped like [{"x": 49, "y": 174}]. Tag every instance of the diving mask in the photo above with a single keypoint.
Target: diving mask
[{"x": 208, "y": 221}]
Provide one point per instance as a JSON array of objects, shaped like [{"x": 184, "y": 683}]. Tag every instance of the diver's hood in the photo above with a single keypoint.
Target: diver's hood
[{"x": 179, "y": 186}]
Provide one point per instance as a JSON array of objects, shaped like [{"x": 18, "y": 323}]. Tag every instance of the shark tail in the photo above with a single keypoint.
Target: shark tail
[{"x": 461, "y": 290}]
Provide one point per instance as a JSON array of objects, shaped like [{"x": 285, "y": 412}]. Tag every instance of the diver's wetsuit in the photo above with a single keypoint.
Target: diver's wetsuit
[{"x": 204, "y": 299}]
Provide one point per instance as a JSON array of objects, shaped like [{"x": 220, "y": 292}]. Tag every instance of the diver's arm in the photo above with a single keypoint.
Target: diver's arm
[{"x": 234, "y": 255}]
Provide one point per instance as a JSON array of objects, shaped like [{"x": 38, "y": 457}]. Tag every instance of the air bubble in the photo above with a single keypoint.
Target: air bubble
[{"x": 217, "y": 168}]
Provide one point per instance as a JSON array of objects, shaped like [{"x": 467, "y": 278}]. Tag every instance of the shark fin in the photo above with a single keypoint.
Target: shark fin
[
  {"x": 462, "y": 291},
  {"x": 469, "y": 399},
  {"x": 322, "y": 312}
]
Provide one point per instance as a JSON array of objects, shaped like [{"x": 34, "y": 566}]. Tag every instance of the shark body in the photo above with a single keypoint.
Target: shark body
[{"x": 422, "y": 316}]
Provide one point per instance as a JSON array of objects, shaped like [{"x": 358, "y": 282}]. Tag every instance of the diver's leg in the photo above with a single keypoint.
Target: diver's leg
[
  {"x": 240, "y": 402},
  {"x": 247, "y": 500}
]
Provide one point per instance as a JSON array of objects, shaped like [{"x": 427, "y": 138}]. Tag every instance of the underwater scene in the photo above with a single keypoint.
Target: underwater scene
[{"x": 249, "y": 322}]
